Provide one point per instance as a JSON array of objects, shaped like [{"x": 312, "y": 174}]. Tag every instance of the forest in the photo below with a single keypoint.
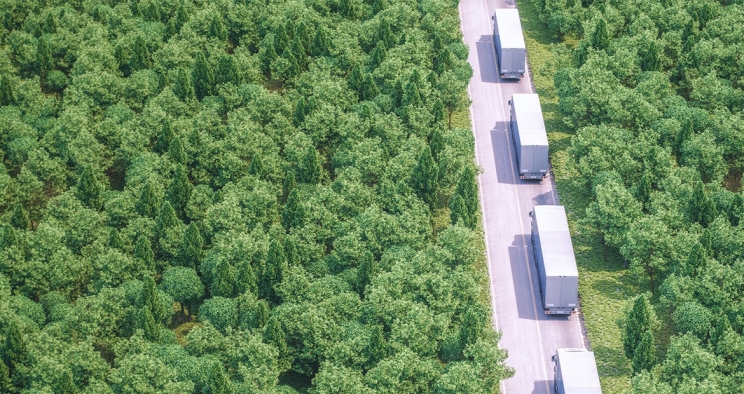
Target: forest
[
  {"x": 240, "y": 196},
  {"x": 653, "y": 93}
]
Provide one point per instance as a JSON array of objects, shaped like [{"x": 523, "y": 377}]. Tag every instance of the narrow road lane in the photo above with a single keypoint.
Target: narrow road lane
[{"x": 529, "y": 335}]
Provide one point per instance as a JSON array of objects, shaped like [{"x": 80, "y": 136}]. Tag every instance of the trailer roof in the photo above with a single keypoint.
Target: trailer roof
[
  {"x": 555, "y": 241},
  {"x": 510, "y": 28},
  {"x": 530, "y": 120},
  {"x": 579, "y": 371}
]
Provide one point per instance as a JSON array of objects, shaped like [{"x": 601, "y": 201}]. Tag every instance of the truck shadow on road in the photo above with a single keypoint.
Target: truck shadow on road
[
  {"x": 523, "y": 269},
  {"x": 487, "y": 60},
  {"x": 540, "y": 387}
]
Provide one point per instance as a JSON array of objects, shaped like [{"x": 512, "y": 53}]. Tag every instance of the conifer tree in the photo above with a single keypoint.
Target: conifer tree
[
  {"x": 19, "y": 219},
  {"x": 217, "y": 28},
  {"x": 311, "y": 166},
  {"x": 398, "y": 93},
  {"x": 202, "y": 76},
  {"x": 643, "y": 356},
  {"x": 377, "y": 347},
  {"x": 5, "y": 383},
  {"x": 267, "y": 54},
  {"x": 643, "y": 190},
  {"x": 64, "y": 384},
  {"x": 179, "y": 191},
  {"x": 274, "y": 335},
  {"x": 367, "y": 270},
  {"x": 176, "y": 151},
  {"x": 180, "y": 18},
  {"x": 281, "y": 38},
  {"x": 9, "y": 238},
  {"x": 723, "y": 326},
  {"x": 50, "y": 24},
  {"x": 411, "y": 95},
  {"x": 257, "y": 168},
  {"x": 146, "y": 322},
  {"x": 166, "y": 219},
  {"x": 190, "y": 250},
  {"x": 44, "y": 60},
  {"x": 319, "y": 46},
  {"x": 290, "y": 251},
  {"x": 152, "y": 14},
  {"x": 293, "y": 215},
  {"x": 182, "y": 87},
  {"x": 294, "y": 66},
  {"x": 600, "y": 36},
  {"x": 299, "y": 52},
  {"x": 369, "y": 88},
  {"x": 7, "y": 97},
  {"x": 148, "y": 203},
  {"x": 164, "y": 137},
  {"x": 706, "y": 240},
  {"x": 114, "y": 240},
  {"x": 436, "y": 142},
  {"x": 247, "y": 281},
  {"x": 143, "y": 252},
  {"x": 458, "y": 211},
  {"x": 650, "y": 57},
  {"x": 355, "y": 78},
  {"x": 140, "y": 59},
  {"x": 701, "y": 207},
  {"x": 222, "y": 284},
  {"x": 424, "y": 176},
  {"x": 685, "y": 133},
  {"x": 638, "y": 322},
  {"x": 379, "y": 5},
  {"x": 14, "y": 350},
  {"x": 260, "y": 314},
  {"x": 148, "y": 296},
  {"x": 377, "y": 56},
  {"x": 217, "y": 381},
  {"x": 300, "y": 112},
  {"x": 696, "y": 260},
  {"x": 444, "y": 61},
  {"x": 303, "y": 34},
  {"x": 288, "y": 185},
  {"x": 385, "y": 34},
  {"x": 469, "y": 329},
  {"x": 271, "y": 272},
  {"x": 88, "y": 189},
  {"x": 227, "y": 71}
]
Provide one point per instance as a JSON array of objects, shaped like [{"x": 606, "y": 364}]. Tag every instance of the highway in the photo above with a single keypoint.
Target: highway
[{"x": 529, "y": 335}]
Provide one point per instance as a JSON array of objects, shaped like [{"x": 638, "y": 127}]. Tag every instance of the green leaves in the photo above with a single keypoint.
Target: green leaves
[
  {"x": 88, "y": 189},
  {"x": 425, "y": 175}
]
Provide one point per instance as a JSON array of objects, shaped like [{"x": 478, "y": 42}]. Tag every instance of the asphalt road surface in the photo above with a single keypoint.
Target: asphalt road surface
[{"x": 529, "y": 335}]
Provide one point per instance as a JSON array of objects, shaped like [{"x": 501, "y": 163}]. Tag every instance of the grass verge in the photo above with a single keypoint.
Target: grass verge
[{"x": 604, "y": 284}]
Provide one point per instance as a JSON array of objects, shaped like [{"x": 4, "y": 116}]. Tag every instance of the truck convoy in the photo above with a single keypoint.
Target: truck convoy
[
  {"x": 554, "y": 257},
  {"x": 509, "y": 43},
  {"x": 529, "y": 136},
  {"x": 576, "y": 372}
]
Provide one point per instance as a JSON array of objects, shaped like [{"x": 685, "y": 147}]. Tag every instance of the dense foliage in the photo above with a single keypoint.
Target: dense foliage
[
  {"x": 654, "y": 93},
  {"x": 238, "y": 196}
]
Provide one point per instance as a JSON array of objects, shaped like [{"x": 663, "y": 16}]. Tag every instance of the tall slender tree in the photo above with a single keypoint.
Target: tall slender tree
[
  {"x": 293, "y": 215},
  {"x": 7, "y": 96},
  {"x": 319, "y": 46},
  {"x": 376, "y": 347},
  {"x": 644, "y": 356},
  {"x": 143, "y": 252},
  {"x": 702, "y": 208},
  {"x": 227, "y": 71},
  {"x": 183, "y": 88},
  {"x": 637, "y": 323},
  {"x": 176, "y": 152},
  {"x": 311, "y": 166},
  {"x": 140, "y": 59},
  {"x": 600, "y": 38},
  {"x": 179, "y": 191},
  {"x": 217, "y": 381},
  {"x": 190, "y": 250},
  {"x": 19, "y": 219},
  {"x": 217, "y": 28},
  {"x": 424, "y": 176},
  {"x": 88, "y": 189},
  {"x": 202, "y": 76},
  {"x": 148, "y": 203}
]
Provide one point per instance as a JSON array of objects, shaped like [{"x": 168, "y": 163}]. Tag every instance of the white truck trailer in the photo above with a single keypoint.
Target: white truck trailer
[
  {"x": 529, "y": 136},
  {"x": 509, "y": 43},
  {"x": 554, "y": 258},
  {"x": 575, "y": 372}
]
